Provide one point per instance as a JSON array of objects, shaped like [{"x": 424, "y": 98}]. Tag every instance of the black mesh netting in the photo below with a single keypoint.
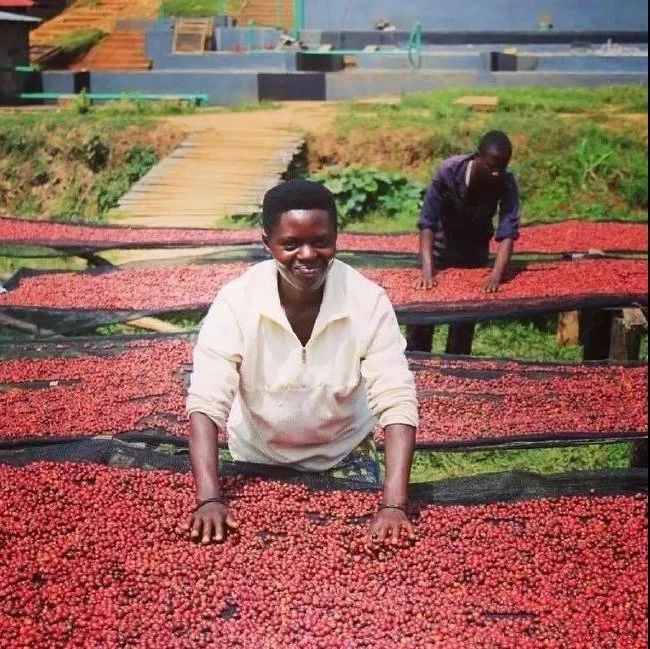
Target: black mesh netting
[
  {"x": 134, "y": 387},
  {"x": 69, "y": 302},
  {"x": 490, "y": 487}
]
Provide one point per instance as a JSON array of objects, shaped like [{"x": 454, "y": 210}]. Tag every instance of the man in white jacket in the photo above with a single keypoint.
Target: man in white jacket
[{"x": 296, "y": 362}]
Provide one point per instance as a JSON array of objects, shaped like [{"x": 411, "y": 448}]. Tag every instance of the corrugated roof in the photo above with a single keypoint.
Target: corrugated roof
[{"x": 7, "y": 17}]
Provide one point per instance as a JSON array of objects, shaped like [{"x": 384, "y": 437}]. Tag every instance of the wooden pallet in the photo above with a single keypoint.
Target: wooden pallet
[{"x": 193, "y": 35}]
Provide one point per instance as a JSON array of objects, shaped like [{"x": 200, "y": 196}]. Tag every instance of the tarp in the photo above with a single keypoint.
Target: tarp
[
  {"x": 134, "y": 387},
  {"x": 74, "y": 301},
  {"x": 564, "y": 237}
]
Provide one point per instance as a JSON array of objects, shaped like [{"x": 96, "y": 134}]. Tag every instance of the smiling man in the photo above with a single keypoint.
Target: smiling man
[{"x": 296, "y": 362}]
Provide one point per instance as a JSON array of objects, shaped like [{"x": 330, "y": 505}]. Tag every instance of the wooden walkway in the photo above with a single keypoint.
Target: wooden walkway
[{"x": 213, "y": 174}]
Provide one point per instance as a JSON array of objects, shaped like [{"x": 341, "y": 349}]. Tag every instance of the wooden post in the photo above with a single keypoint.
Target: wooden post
[
  {"x": 639, "y": 454},
  {"x": 627, "y": 331},
  {"x": 26, "y": 327},
  {"x": 568, "y": 329},
  {"x": 625, "y": 339},
  {"x": 154, "y": 324},
  {"x": 595, "y": 334},
  {"x": 460, "y": 338},
  {"x": 419, "y": 338}
]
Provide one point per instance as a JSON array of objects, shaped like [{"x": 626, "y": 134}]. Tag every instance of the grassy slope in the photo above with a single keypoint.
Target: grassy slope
[
  {"x": 578, "y": 154},
  {"x": 75, "y": 163}
]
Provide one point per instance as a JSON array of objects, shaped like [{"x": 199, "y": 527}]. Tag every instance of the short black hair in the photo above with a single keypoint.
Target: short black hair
[
  {"x": 296, "y": 195},
  {"x": 496, "y": 140}
]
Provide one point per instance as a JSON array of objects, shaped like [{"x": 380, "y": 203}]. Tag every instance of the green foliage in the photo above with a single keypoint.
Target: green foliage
[
  {"x": 111, "y": 186},
  {"x": 93, "y": 152},
  {"x": 570, "y": 158},
  {"x": 79, "y": 40},
  {"x": 429, "y": 466},
  {"x": 200, "y": 8},
  {"x": 526, "y": 340},
  {"x": 359, "y": 190},
  {"x": 72, "y": 166},
  {"x": 82, "y": 103}
]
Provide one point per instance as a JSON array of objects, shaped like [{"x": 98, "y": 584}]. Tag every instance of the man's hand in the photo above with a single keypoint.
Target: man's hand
[
  {"x": 492, "y": 285},
  {"x": 427, "y": 281},
  {"x": 387, "y": 526},
  {"x": 209, "y": 523}
]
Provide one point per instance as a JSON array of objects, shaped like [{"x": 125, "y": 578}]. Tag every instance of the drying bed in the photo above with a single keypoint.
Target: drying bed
[
  {"x": 551, "y": 238},
  {"x": 121, "y": 386},
  {"x": 90, "y": 552},
  {"x": 59, "y": 299},
  {"x": 95, "y": 388},
  {"x": 498, "y": 402}
]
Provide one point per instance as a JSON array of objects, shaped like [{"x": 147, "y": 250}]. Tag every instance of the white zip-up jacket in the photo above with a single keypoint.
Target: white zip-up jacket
[{"x": 305, "y": 407}]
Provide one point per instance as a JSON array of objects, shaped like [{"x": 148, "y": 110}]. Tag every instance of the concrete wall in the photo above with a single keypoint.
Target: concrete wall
[
  {"x": 259, "y": 61},
  {"x": 451, "y": 61},
  {"x": 14, "y": 50},
  {"x": 566, "y": 79},
  {"x": 362, "y": 84},
  {"x": 602, "y": 64},
  {"x": 221, "y": 87},
  {"x": 478, "y": 15}
]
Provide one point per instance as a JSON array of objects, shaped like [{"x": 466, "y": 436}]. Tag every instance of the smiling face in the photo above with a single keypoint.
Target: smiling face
[{"x": 304, "y": 242}]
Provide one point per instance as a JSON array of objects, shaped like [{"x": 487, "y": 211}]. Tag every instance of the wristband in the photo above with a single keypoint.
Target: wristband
[
  {"x": 401, "y": 508},
  {"x": 216, "y": 499}
]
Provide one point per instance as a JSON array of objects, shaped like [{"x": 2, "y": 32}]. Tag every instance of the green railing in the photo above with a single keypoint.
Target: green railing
[
  {"x": 298, "y": 17},
  {"x": 415, "y": 47}
]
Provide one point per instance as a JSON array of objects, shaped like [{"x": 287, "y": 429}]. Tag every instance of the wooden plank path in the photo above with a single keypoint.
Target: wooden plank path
[{"x": 211, "y": 175}]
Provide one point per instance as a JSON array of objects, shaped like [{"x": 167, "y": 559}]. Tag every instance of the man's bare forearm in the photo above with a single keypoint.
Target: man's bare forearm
[
  {"x": 399, "y": 444},
  {"x": 204, "y": 455},
  {"x": 426, "y": 250},
  {"x": 504, "y": 255}
]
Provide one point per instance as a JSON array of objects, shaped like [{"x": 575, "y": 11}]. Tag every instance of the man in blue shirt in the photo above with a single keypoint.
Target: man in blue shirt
[{"x": 456, "y": 225}]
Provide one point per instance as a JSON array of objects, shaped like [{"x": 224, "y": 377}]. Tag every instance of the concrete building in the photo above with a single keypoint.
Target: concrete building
[{"x": 14, "y": 51}]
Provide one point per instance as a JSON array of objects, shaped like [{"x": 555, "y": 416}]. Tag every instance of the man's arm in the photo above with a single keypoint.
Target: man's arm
[
  {"x": 427, "y": 223},
  {"x": 392, "y": 516},
  {"x": 507, "y": 232},
  {"x": 213, "y": 383},
  {"x": 392, "y": 398},
  {"x": 504, "y": 255},
  {"x": 426, "y": 256},
  {"x": 209, "y": 521}
]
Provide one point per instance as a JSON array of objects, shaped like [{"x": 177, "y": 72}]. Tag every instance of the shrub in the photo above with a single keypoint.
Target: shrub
[{"x": 360, "y": 190}]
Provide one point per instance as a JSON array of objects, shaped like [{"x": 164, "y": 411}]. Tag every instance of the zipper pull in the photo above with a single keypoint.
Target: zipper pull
[{"x": 304, "y": 355}]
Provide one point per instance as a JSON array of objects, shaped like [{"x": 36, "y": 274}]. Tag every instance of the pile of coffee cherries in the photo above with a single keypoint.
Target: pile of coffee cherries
[
  {"x": 94, "y": 557},
  {"x": 140, "y": 387}
]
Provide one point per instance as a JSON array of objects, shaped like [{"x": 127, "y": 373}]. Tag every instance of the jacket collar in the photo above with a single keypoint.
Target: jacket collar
[{"x": 335, "y": 299}]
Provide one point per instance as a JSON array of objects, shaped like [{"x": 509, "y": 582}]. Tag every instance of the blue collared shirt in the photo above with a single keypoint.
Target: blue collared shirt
[{"x": 450, "y": 180}]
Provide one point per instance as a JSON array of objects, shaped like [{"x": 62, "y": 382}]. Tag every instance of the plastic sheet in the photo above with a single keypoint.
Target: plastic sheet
[
  {"x": 564, "y": 237},
  {"x": 67, "y": 302},
  {"x": 134, "y": 388}
]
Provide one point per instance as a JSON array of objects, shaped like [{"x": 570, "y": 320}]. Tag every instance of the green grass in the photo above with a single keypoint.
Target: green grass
[
  {"x": 200, "y": 8},
  {"x": 534, "y": 340},
  {"x": 74, "y": 164},
  {"x": 79, "y": 40},
  {"x": 589, "y": 164},
  {"x": 429, "y": 465}
]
